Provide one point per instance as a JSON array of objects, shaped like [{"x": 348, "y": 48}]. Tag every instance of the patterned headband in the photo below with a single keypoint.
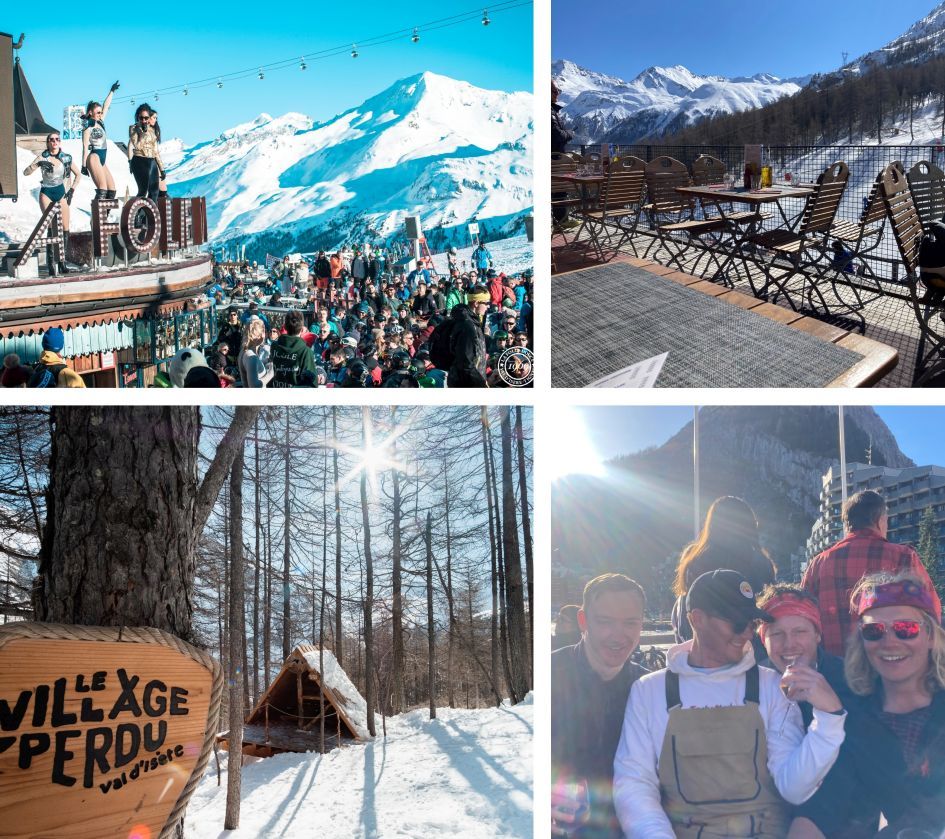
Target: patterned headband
[{"x": 901, "y": 593}]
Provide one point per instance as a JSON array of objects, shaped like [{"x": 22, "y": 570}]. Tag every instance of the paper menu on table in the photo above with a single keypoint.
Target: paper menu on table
[{"x": 642, "y": 374}]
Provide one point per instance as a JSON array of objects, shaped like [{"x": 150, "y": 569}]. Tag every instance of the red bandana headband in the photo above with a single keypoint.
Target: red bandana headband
[
  {"x": 784, "y": 605},
  {"x": 901, "y": 593}
]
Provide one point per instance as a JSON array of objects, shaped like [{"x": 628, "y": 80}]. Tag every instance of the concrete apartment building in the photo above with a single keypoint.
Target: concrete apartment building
[{"x": 908, "y": 492}]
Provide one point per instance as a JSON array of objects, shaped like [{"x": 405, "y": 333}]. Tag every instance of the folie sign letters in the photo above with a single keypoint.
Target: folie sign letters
[{"x": 99, "y": 737}]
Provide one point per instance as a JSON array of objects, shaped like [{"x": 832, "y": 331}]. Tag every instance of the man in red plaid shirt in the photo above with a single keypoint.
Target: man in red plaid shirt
[{"x": 832, "y": 575}]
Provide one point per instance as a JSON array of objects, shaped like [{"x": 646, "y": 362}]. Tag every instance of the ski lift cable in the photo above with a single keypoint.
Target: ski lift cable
[{"x": 330, "y": 52}]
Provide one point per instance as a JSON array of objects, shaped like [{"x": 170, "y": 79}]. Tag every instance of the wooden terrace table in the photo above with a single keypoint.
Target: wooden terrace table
[
  {"x": 714, "y": 337},
  {"x": 722, "y": 197}
]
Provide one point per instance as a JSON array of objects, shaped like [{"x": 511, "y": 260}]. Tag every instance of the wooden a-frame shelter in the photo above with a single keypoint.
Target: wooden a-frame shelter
[{"x": 287, "y": 717}]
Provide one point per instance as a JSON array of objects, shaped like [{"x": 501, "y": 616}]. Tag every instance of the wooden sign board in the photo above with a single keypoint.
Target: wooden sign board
[{"x": 103, "y": 732}]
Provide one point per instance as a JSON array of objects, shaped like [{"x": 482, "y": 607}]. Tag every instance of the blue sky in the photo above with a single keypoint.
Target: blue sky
[
  {"x": 621, "y": 430},
  {"x": 727, "y": 37},
  {"x": 73, "y": 56}
]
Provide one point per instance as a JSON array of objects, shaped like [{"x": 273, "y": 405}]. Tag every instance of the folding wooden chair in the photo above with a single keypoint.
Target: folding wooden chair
[
  {"x": 620, "y": 205},
  {"x": 858, "y": 240},
  {"x": 565, "y": 195},
  {"x": 927, "y": 298},
  {"x": 805, "y": 246},
  {"x": 927, "y": 185},
  {"x": 663, "y": 176}
]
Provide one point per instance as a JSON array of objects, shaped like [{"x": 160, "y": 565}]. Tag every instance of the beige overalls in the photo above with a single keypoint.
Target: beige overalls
[{"x": 713, "y": 769}]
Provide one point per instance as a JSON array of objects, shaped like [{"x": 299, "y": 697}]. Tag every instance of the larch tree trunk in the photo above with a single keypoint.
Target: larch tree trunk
[
  {"x": 339, "y": 639},
  {"x": 369, "y": 584},
  {"x": 321, "y": 611},
  {"x": 526, "y": 530},
  {"x": 493, "y": 577},
  {"x": 397, "y": 614},
  {"x": 515, "y": 599},
  {"x": 257, "y": 529},
  {"x": 237, "y": 644},
  {"x": 124, "y": 513},
  {"x": 451, "y": 648},
  {"x": 286, "y": 588},
  {"x": 431, "y": 631}
]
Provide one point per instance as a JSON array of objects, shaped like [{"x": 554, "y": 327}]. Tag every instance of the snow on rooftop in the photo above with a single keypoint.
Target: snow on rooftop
[{"x": 335, "y": 679}]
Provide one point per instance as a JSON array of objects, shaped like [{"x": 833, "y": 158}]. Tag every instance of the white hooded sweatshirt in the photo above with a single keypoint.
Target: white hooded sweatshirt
[{"x": 797, "y": 763}]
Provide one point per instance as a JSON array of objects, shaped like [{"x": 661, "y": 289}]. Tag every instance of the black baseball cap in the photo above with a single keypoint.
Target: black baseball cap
[{"x": 725, "y": 594}]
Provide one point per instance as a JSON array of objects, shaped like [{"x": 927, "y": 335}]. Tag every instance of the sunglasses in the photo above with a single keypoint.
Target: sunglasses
[{"x": 904, "y": 630}]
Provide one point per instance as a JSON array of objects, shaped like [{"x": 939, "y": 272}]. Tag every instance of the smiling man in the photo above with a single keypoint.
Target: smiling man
[
  {"x": 711, "y": 746},
  {"x": 589, "y": 686}
]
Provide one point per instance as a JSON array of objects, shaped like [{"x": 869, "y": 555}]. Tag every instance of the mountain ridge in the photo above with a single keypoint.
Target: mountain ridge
[{"x": 426, "y": 145}]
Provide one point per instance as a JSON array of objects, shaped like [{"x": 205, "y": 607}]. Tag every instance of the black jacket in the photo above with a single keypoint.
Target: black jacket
[
  {"x": 586, "y": 721},
  {"x": 560, "y": 136},
  {"x": 468, "y": 349},
  {"x": 870, "y": 776}
]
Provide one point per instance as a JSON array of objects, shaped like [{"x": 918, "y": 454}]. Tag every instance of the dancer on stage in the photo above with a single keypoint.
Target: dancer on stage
[
  {"x": 162, "y": 181},
  {"x": 95, "y": 146},
  {"x": 56, "y": 166},
  {"x": 144, "y": 158}
]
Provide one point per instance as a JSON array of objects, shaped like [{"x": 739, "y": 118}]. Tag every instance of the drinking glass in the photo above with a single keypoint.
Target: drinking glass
[{"x": 567, "y": 795}]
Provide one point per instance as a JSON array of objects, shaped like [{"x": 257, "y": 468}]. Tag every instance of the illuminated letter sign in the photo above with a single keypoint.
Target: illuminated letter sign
[
  {"x": 102, "y": 228},
  {"x": 182, "y": 222},
  {"x": 101, "y": 729},
  {"x": 168, "y": 240},
  {"x": 138, "y": 238},
  {"x": 48, "y": 231}
]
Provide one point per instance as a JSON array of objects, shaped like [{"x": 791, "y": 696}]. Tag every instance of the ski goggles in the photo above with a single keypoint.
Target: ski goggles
[{"x": 904, "y": 630}]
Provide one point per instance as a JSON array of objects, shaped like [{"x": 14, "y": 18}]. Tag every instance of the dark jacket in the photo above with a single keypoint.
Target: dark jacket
[
  {"x": 323, "y": 268},
  {"x": 292, "y": 362},
  {"x": 468, "y": 349},
  {"x": 586, "y": 721},
  {"x": 870, "y": 776},
  {"x": 560, "y": 136}
]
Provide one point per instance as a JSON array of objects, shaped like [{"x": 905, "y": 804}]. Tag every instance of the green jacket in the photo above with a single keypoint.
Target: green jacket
[
  {"x": 454, "y": 297},
  {"x": 291, "y": 359}
]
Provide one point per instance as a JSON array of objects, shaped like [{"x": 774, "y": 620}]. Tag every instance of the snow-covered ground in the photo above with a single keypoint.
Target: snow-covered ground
[
  {"x": 466, "y": 774},
  {"x": 511, "y": 256}
]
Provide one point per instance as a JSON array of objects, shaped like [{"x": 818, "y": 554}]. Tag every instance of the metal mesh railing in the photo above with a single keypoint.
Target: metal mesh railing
[{"x": 805, "y": 164}]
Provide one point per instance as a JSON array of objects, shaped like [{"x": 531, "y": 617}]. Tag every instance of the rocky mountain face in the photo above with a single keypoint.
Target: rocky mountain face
[
  {"x": 637, "y": 518},
  {"x": 601, "y": 108}
]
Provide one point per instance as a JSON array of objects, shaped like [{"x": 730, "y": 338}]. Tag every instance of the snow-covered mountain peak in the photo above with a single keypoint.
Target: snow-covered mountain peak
[
  {"x": 426, "y": 145},
  {"x": 603, "y": 108}
]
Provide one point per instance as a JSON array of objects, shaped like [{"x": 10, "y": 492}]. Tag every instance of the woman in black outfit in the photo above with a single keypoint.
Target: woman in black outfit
[{"x": 144, "y": 159}]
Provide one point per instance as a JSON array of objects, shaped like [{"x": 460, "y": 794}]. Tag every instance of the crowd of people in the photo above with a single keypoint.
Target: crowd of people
[
  {"x": 364, "y": 317},
  {"x": 785, "y": 710}
]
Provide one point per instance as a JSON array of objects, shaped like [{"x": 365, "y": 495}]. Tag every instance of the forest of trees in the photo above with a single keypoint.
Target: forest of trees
[
  {"x": 835, "y": 108},
  {"x": 400, "y": 538}
]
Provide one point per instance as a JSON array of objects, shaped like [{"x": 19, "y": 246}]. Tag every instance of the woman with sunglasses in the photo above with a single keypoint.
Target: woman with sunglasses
[
  {"x": 56, "y": 166},
  {"x": 95, "y": 146},
  {"x": 893, "y": 758},
  {"x": 144, "y": 159}
]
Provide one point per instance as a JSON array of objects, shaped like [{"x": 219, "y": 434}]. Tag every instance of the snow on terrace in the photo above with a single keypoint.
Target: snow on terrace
[{"x": 467, "y": 773}]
